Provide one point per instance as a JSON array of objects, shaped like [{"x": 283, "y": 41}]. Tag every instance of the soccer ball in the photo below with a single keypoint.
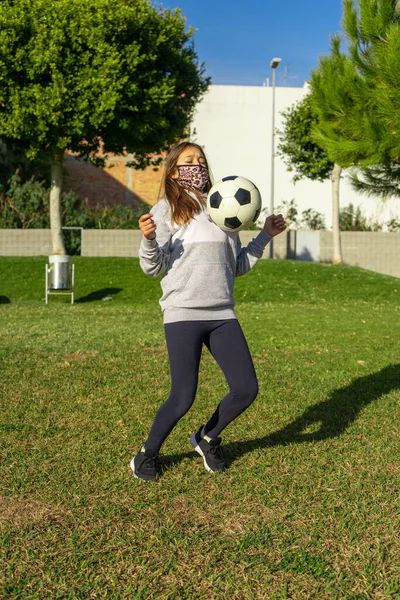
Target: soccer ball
[{"x": 234, "y": 203}]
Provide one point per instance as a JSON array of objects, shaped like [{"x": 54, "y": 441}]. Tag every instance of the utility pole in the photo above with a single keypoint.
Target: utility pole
[{"x": 275, "y": 62}]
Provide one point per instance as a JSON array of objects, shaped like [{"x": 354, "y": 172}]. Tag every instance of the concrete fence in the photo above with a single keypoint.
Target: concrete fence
[
  {"x": 378, "y": 252},
  {"x": 25, "y": 242},
  {"x": 110, "y": 242}
]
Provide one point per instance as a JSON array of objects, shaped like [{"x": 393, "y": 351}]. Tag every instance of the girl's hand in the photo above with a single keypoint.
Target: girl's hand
[
  {"x": 147, "y": 226},
  {"x": 274, "y": 224}
]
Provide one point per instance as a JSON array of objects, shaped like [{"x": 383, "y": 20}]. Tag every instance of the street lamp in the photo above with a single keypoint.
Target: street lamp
[{"x": 274, "y": 64}]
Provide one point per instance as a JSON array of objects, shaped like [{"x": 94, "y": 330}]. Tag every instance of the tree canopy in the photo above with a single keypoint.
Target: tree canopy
[
  {"x": 74, "y": 73},
  {"x": 357, "y": 96},
  {"x": 84, "y": 75},
  {"x": 300, "y": 153}
]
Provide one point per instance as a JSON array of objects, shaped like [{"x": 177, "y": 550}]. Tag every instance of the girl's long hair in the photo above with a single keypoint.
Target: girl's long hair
[{"x": 183, "y": 205}]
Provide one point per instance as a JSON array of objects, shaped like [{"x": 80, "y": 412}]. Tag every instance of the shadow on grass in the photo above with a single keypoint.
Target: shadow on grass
[
  {"x": 4, "y": 300},
  {"x": 100, "y": 294},
  {"x": 327, "y": 419}
]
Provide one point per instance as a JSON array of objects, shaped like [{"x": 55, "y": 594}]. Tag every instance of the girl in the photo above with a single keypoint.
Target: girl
[{"x": 200, "y": 262}]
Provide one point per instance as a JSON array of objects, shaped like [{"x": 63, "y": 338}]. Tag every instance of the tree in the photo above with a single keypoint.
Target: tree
[
  {"x": 375, "y": 46},
  {"x": 378, "y": 180},
  {"x": 300, "y": 153},
  {"x": 75, "y": 74},
  {"x": 337, "y": 91},
  {"x": 365, "y": 130},
  {"x": 308, "y": 159}
]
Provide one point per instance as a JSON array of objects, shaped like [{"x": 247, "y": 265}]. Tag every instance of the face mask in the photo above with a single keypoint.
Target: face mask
[{"x": 193, "y": 177}]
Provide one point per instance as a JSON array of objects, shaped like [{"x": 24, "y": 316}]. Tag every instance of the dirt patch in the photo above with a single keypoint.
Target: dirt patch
[
  {"x": 225, "y": 521},
  {"x": 79, "y": 355},
  {"x": 22, "y": 511}
]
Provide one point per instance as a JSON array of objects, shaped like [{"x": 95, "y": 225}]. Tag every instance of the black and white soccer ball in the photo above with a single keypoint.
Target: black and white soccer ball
[{"x": 234, "y": 203}]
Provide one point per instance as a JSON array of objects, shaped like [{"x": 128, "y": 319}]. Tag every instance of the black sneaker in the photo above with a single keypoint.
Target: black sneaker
[
  {"x": 210, "y": 451},
  {"x": 145, "y": 465}
]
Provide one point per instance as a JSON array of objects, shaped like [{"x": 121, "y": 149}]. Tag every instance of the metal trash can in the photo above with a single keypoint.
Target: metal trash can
[{"x": 59, "y": 272}]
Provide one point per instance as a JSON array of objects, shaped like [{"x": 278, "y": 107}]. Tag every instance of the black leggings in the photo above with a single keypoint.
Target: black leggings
[{"x": 227, "y": 344}]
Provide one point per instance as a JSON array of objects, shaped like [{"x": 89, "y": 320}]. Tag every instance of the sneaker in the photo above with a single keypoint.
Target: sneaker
[
  {"x": 145, "y": 465},
  {"x": 210, "y": 451}
]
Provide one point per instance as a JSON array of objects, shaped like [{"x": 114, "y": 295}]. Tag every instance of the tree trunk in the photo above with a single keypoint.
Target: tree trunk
[
  {"x": 337, "y": 248},
  {"x": 57, "y": 238}
]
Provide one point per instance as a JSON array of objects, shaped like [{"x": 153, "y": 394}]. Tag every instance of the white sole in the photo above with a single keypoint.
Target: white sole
[
  {"x": 199, "y": 451},
  {"x": 132, "y": 466}
]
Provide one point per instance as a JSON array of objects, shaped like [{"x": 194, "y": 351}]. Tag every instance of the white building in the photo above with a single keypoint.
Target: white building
[{"x": 234, "y": 125}]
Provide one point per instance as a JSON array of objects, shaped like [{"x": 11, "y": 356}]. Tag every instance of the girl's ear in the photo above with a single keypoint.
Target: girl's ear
[{"x": 174, "y": 173}]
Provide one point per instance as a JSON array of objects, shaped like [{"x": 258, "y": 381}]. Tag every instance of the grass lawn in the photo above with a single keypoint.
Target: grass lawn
[{"x": 309, "y": 507}]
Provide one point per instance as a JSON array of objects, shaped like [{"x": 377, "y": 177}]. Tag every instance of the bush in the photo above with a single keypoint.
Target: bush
[
  {"x": 13, "y": 158},
  {"x": 289, "y": 210},
  {"x": 312, "y": 219},
  {"x": 393, "y": 225},
  {"x": 25, "y": 205},
  {"x": 352, "y": 219}
]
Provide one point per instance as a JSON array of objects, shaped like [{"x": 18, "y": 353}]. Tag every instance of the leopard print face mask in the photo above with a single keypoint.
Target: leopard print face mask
[{"x": 194, "y": 177}]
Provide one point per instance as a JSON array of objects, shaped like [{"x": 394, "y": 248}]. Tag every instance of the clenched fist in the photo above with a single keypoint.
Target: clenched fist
[
  {"x": 274, "y": 224},
  {"x": 147, "y": 226}
]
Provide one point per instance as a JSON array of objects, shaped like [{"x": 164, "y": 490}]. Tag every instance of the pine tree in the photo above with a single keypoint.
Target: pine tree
[
  {"x": 360, "y": 109},
  {"x": 336, "y": 90},
  {"x": 382, "y": 42}
]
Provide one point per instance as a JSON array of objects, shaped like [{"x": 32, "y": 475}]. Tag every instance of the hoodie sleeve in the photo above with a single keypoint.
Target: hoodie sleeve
[
  {"x": 154, "y": 254},
  {"x": 248, "y": 256}
]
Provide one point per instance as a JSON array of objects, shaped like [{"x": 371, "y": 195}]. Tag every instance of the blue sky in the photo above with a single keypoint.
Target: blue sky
[{"x": 237, "y": 39}]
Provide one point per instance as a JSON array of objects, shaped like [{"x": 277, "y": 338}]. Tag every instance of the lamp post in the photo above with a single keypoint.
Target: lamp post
[{"x": 274, "y": 64}]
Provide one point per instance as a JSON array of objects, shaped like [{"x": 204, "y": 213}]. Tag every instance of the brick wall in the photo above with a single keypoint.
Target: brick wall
[{"x": 113, "y": 185}]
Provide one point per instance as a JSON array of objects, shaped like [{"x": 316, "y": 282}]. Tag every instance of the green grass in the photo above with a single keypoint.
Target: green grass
[{"x": 309, "y": 505}]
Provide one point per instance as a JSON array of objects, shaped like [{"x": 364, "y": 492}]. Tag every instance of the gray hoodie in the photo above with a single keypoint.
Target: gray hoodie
[{"x": 200, "y": 262}]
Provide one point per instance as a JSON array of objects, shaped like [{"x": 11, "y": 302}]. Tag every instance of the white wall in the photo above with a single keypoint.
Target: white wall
[{"x": 233, "y": 124}]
